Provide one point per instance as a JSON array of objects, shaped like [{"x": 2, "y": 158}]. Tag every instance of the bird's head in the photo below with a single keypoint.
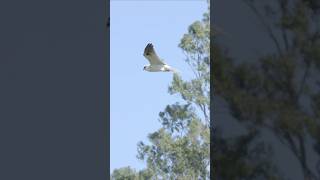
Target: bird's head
[{"x": 145, "y": 68}]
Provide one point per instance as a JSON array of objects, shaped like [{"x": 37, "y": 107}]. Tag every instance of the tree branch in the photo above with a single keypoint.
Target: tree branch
[
  {"x": 303, "y": 81},
  {"x": 265, "y": 24},
  {"x": 283, "y": 6}
]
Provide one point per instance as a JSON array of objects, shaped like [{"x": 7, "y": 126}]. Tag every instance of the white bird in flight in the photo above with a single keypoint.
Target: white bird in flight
[{"x": 156, "y": 65}]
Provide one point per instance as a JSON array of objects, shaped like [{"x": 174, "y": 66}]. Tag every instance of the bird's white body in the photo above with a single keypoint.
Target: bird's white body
[
  {"x": 158, "y": 68},
  {"x": 156, "y": 65}
]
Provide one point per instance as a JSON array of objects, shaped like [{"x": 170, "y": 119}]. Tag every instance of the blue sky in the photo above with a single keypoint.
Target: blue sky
[{"x": 138, "y": 96}]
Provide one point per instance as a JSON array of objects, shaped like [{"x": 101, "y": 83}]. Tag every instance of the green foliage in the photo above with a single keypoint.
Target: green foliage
[
  {"x": 271, "y": 92},
  {"x": 236, "y": 158},
  {"x": 176, "y": 117},
  {"x": 125, "y": 173},
  {"x": 178, "y": 157},
  {"x": 244, "y": 156}
]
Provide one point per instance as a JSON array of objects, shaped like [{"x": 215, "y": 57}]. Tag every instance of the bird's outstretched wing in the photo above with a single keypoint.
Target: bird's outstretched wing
[{"x": 151, "y": 55}]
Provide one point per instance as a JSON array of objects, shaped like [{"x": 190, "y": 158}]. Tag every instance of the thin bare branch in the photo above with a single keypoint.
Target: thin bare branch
[{"x": 265, "y": 24}]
